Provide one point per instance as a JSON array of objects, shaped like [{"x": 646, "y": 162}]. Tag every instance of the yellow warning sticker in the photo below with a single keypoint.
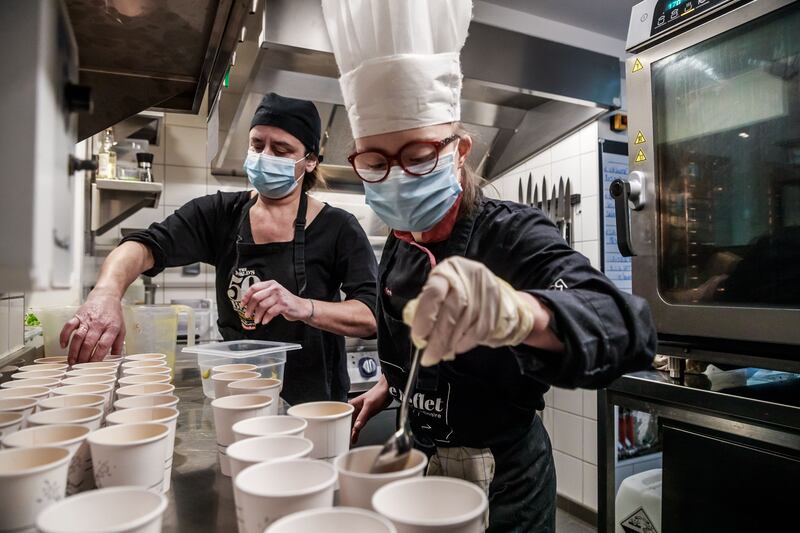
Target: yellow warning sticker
[
  {"x": 640, "y": 157},
  {"x": 637, "y": 66},
  {"x": 640, "y": 138}
]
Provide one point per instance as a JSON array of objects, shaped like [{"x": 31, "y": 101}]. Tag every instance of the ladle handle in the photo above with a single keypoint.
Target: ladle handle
[{"x": 412, "y": 378}]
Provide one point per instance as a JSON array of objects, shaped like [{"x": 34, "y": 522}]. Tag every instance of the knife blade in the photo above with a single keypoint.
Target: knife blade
[
  {"x": 560, "y": 211},
  {"x": 521, "y": 200},
  {"x": 545, "y": 206},
  {"x": 568, "y": 212},
  {"x": 530, "y": 184},
  {"x": 536, "y": 195},
  {"x": 553, "y": 204}
]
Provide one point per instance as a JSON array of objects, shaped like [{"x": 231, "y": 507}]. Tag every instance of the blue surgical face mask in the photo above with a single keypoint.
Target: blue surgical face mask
[
  {"x": 415, "y": 203},
  {"x": 272, "y": 176}
]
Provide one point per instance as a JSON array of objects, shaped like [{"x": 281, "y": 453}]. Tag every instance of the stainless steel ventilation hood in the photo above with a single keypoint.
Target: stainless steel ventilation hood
[
  {"x": 521, "y": 93},
  {"x": 139, "y": 54}
]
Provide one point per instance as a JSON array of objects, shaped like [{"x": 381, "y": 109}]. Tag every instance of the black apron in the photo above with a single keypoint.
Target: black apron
[
  {"x": 522, "y": 492},
  {"x": 307, "y": 375}
]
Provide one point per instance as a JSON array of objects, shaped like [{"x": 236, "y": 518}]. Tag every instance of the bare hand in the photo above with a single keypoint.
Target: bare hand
[
  {"x": 267, "y": 299},
  {"x": 368, "y": 405},
  {"x": 96, "y": 328}
]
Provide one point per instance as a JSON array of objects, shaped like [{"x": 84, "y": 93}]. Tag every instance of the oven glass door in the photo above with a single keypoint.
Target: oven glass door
[{"x": 726, "y": 115}]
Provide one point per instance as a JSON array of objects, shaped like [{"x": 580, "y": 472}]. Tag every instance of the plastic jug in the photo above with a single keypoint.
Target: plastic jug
[
  {"x": 154, "y": 328},
  {"x": 53, "y": 320},
  {"x": 638, "y": 504}
]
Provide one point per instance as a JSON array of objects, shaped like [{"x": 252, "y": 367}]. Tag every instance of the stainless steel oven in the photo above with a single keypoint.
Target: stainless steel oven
[{"x": 711, "y": 208}]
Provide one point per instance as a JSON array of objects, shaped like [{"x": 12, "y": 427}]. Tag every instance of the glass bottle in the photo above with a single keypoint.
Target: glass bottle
[{"x": 107, "y": 157}]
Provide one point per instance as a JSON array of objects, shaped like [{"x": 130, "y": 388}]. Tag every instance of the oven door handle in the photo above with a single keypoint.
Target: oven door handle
[{"x": 627, "y": 194}]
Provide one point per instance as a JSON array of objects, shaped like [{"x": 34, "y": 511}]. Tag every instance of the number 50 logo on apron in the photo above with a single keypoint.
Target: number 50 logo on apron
[{"x": 241, "y": 280}]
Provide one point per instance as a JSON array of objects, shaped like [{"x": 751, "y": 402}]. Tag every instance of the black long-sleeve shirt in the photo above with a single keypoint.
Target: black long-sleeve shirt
[{"x": 488, "y": 390}]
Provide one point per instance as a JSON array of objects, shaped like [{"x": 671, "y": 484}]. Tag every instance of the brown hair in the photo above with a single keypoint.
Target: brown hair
[
  {"x": 314, "y": 178},
  {"x": 470, "y": 181}
]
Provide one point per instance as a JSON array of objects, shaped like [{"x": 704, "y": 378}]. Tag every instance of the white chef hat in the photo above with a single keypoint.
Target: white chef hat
[{"x": 399, "y": 61}]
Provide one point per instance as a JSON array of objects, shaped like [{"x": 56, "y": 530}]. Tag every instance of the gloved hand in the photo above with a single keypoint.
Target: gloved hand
[{"x": 463, "y": 305}]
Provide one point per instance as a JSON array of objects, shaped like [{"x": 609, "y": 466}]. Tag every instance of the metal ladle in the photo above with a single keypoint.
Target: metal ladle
[{"x": 395, "y": 453}]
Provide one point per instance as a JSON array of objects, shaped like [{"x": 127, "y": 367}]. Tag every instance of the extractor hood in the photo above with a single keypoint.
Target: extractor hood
[
  {"x": 139, "y": 54},
  {"x": 520, "y": 95}
]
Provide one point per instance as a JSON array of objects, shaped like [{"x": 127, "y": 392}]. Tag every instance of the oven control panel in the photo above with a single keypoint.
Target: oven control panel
[{"x": 653, "y": 17}]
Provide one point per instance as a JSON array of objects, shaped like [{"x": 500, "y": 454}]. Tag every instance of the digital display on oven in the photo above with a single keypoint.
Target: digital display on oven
[{"x": 669, "y": 13}]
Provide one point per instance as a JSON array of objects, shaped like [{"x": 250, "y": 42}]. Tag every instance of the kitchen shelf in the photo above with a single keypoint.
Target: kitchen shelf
[{"x": 115, "y": 200}]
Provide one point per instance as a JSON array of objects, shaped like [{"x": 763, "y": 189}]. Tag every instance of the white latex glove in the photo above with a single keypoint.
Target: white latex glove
[{"x": 463, "y": 305}]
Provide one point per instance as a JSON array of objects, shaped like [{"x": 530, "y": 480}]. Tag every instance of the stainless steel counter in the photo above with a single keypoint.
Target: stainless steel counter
[{"x": 201, "y": 498}]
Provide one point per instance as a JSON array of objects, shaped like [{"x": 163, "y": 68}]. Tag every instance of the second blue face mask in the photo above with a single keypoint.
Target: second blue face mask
[
  {"x": 411, "y": 203},
  {"x": 272, "y": 176}
]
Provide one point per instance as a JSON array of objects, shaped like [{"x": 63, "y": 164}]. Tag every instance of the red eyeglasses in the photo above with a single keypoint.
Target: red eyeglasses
[{"x": 417, "y": 158}]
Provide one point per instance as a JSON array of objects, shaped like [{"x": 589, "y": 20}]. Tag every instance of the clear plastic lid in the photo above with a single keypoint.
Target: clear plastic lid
[{"x": 242, "y": 348}]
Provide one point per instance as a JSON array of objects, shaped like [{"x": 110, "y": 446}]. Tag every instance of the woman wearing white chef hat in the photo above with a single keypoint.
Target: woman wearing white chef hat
[{"x": 502, "y": 305}]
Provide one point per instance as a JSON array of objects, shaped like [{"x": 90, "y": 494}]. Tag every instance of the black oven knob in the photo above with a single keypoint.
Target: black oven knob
[{"x": 367, "y": 367}]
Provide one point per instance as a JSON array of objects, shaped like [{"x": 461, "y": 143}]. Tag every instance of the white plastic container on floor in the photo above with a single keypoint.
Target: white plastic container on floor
[
  {"x": 269, "y": 358},
  {"x": 638, "y": 503}
]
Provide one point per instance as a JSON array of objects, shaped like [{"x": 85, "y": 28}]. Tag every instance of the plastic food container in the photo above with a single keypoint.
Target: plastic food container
[{"x": 269, "y": 358}]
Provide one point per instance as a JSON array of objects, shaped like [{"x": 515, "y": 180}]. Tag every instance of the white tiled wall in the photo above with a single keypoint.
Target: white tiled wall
[{"x": 570, "y": 416}]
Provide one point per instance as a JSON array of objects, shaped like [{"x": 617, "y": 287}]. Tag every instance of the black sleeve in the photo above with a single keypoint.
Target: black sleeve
[
  {"x": 355, "y": 263},
  {"x": 606, "y": 332},
  {"x": 189, "y": 235}
]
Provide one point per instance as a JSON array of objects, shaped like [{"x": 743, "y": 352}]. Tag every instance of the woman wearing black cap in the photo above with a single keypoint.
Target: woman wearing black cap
[{"x": 281, "y": 259}]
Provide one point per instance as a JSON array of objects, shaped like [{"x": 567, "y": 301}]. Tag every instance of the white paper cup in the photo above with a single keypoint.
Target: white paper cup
[
  {"x": 249, "y": 452},
  {"x": 129, "y": 454},
  {"x": 25, "y": 392},
  {"x": 31, "y": 479},
  {"x": 113, "y": 359},
  {"x": 328, "y": 426},
  {"x": 337, "y": 520},
  {"x": 228, "y": 411},
  {"x": 90, "y": 417},
  {"x": 432, "y": 504},
  {"x": 73, "y": 400},
  {"x": 268, "y": 491},
  {"x": 57, "y": 359},
  {"x": 50, "y": 383},
  {"x": 142, "y": 364},
  {"x": 8, "y": 369},
  {"x": 137, "y": 380},
  {"x": 103, "y": 389},
  {"x": 162, "y": 415},
  {"x": 102, "y": 371},
  {"x": 272, "y": 425},
  {"x": 10, "y": 423},
  {"x": 43, "y": 366},
  {"x": 102, "y": 379},
  {"x": 96, "y": 364},
  {"x": 222, "y": 380},
  {"x": 145, "y": 389},
  {"x": 38, "y": 374},
  {"x": 235, "y": 367},
  {"x": 145, "y": 357},
  {"x": 132, "y": 402},
  {"x": 24, "y": 406},
  {"x": 269, "y": 386},
  {"x": 357, "y": 484},
  {"x": 69, "y": 436},
  {"x": 124, "y": 510},
  {"x": 147, "y": 371}
]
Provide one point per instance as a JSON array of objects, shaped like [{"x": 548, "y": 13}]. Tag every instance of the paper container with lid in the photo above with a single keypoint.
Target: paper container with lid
[{"x": 269, "y": 358}]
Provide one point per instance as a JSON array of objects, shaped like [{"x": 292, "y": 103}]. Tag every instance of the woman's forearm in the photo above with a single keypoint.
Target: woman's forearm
[
  {"x": 351, "y": 318},
  {"x": 122, "y": 266}
]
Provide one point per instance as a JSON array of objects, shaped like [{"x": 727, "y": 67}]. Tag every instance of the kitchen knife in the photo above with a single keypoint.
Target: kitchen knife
[
  {"x": 521, "y": 200},
  {"x": 568, "y": 213},
  {"x": 553, "y": 202},
  {"x": 544, "y": 196},
  {"x": 530, "y": 193},
  {"x": 560, "y": 211},
  {"x": 535, "y": 195}
]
